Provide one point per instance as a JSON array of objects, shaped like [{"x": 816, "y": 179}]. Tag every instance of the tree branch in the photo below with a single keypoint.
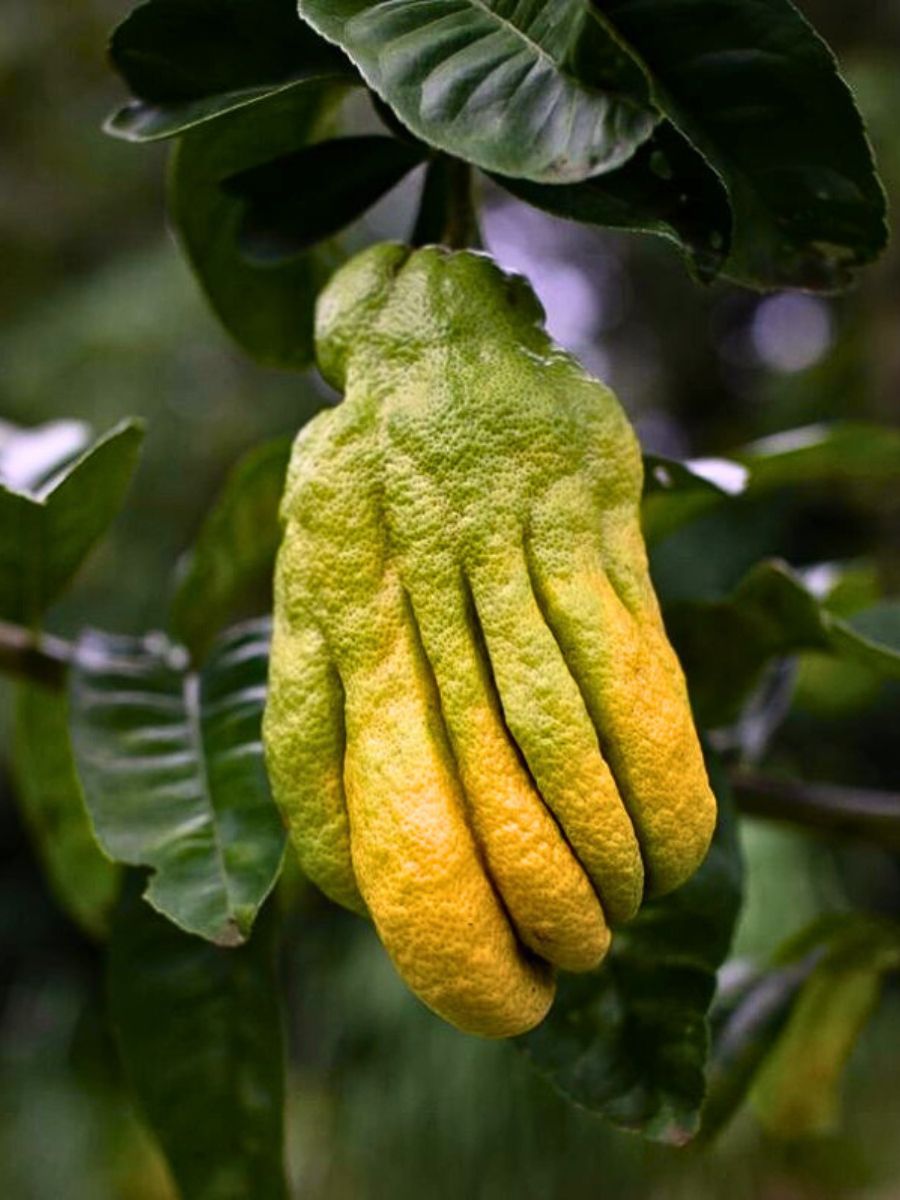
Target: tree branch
[
  {"x": 37, "y": 657},
  {"x": 852, "y": 812},
  {"x": 448, "y": 214}
]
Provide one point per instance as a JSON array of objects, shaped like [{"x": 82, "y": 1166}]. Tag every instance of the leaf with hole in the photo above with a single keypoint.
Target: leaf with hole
[
  {"x": 172, "y": 767},
  {"x": 757, "y": 93},
  {"x": 506, "y": 87}
]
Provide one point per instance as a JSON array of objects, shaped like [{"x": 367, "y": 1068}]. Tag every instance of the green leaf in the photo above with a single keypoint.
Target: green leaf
[
  {"x": 171, "y": 763},
  {"x": 745, "y": 1028},
  {"x": 666, "y": 189},
  {"x": 52, "y": 515},
  {"x": 831, "y": 452},
  {"x": 839, "y": 452},
  {"x": 797, "y": 1093},
  {"x": 872, "y": 636},
  {"x": 676, "y": 492},
  {"x": 228, "y": 572},
  {"x": 268, "y": 309},
  {"x": 630, "y": 1041},
  {"x": 302, "y": 198},
  {"x": 725, "y": 644},
  {"x": 757, "y": 93},
  {"x": 31, "y": 456},
  {"x": 188, "y": 61},
  {"x": 82, "y": 879},
  {"x": 199, "y": 1034},
  {"x": 510, "y": 88}
]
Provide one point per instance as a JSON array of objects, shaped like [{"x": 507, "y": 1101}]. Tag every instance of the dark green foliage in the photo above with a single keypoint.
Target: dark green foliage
[
  {"x": 228, "y": 571},
  {"x": 199, "y": 1033},
  {"x": 188, "y": 61},
  {"x": 630, "y": 1041}
]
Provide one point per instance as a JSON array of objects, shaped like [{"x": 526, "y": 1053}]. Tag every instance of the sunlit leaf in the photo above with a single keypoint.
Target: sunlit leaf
[
  {"x": 756, "y": 91},
  {"x": 172, "y": 767},
  {"x": 268, "y": 309},
  {"x": 199, "y": 1033},
  {"x": 59, "y": 506},
  {"x": 80, "y": 876},
  {"x": 510, "y": 88},
  {"x": 228, "y": 572},
  {"x": 188, "y": 61},
  {"x": 630, "y": 1040}
]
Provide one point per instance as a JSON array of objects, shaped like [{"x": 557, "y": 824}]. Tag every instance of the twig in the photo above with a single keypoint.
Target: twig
[
  {"x": 448, "y": 213},
  {"x": 37, "y": 657},
  {"x": 848, "y": 811},
  {"x": 851, "y": 812}
]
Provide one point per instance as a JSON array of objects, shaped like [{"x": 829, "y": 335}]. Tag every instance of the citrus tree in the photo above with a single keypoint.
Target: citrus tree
[{"x": 466, "y": 636}]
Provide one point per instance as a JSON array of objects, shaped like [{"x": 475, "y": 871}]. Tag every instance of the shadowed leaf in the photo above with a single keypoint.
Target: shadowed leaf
[
  {"x": 199, "y": 1034},
  {"x": 630, "y": 1040}
]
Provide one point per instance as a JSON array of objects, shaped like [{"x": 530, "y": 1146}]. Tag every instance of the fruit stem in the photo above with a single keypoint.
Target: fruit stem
[{"x": 448, "y": 212}]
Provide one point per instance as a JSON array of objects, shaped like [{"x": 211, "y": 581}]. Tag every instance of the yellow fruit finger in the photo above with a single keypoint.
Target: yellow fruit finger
[
  {"x": 416, "y": 860},
  {"x": 547, "y": 716},
  {"x": 635, "y": 692},
  {"x": 544, "y": 888},
  {"x": 304, "y": 738}
]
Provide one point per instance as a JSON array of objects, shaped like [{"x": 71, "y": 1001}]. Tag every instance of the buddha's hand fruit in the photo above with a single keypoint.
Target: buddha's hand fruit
[{"x": 476, "y": 727}]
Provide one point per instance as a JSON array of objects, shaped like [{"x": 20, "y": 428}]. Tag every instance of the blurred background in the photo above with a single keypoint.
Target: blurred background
[{"x": 99, "y": 319}]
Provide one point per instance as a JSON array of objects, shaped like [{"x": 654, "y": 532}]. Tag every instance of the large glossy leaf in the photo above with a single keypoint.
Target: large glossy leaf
[
  {"x": 188, "y": 61},
  {"x": 171, "y": 763},
  {"x": 302, "y": 198},
  {"x": 666, "y": 189},
  {"x": 82, "y": 878},
  {"x": 757, "y": 92},
  {"x": 530, "y": 90},
  {"x": 53, "y": 508},
  {"x": 725, "y": 644},
  {"x": 630, "y": 1041},
  {"x": 199, "y": 1033},
  {"x": 268, "y": 309},
  {"x": 228, "y": 572}
]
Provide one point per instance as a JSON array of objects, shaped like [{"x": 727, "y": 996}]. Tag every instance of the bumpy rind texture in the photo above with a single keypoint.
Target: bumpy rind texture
[{"x": 476, "y": 729}]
